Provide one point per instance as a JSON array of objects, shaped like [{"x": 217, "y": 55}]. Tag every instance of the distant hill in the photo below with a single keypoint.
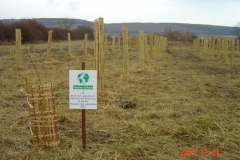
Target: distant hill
[{"x": 135, "y": 27}]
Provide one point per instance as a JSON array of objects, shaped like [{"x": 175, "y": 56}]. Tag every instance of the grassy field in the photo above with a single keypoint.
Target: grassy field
[{"x": 184, "y": 100}]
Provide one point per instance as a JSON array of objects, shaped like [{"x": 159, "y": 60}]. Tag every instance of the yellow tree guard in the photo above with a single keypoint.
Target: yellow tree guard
[
  {"x": 202, "y": 44},
  {"x": 237, "y": 45},
  {"x": 99, "y": 50},
  {"x": 119, "y": 42},
  {"x": 141, "y": 49},
  {"x": 151, "y": 44},
  {"x": 113, "y": 43},
  {"x": 42, "y": 115},
  {"x": 69, "y": 44},
  {"x": 226, "y": 49},
  {"x": 146, "y": 55},
  {"x": 18, "y": 49},
  {"x": 130, "y": 39},
  {"x": 125, "y": 52},
  {"x": 49, "y": 46},
  {"x": 232, "y": 52},
  {"x": 205, "y": 45},
  {"x": 218, "y": 48},
  {"x": 106, "y": 43},
  {"x": 198, "y": 44},
  {"x": 85, "y": 43}
]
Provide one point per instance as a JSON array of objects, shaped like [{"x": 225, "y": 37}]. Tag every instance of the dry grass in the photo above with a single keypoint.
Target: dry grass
[{"x": 182, "y": 99}]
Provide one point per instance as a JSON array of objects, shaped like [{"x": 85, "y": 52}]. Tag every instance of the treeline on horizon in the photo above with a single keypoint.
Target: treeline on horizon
[{"x": 33, "y": 31}]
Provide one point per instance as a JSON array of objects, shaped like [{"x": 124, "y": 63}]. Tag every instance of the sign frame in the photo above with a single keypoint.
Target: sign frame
[{"x": 82, "y": 89}]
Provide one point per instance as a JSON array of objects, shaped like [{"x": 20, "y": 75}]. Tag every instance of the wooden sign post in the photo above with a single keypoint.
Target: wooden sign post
[
  {"x": 83, "y": 120},
  {"x": 83, "y": 93}
]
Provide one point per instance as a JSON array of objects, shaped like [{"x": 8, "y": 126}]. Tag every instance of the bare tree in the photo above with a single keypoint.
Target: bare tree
[
  {"x": 236, "y": 30},
  {"x": 65, "y": 23}
]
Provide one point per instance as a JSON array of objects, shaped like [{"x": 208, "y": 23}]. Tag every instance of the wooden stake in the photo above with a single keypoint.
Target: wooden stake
[
  {"x": 69, "y": 44},
  {"x": 213, "y": 46},
  {"x": 18, "y": 49},
  {"x": 49, "y": 46},
  {"x": 130, "y": 44},
  {"x": 194, "y": 44},
  {"x": 237, "y": 45},
  {"x": 96, "y": 42},
  {"x": 151, "y": 44},
  {"x": 99, "y": 50},
  {"x": 84, "y": 120},
  {"x": 232, "y": 52},
  {"x": 113, "y": 44},
  {"x": 218, "y": 48},
  {"x": 164, "y": 39},
  {"x": 85, "y": 43},
  {"x": 155, "y": 45},
  {"x": 119, "y": 42},
  {"x": 141, "y": 49},
  {"x": 146, "y": 55},
  {"x": 226, "y": 49},
  {"x": 201, "y": 44},
  {"x": 134, "y": 42},
  {"x": 222, "y": 48},
  {"x": 198, "y": 44},
  {"x": 205, "y": 45},
  {"x": 106, "y": 43},
  {"x": 159, "y": 44},
  {"x": 125, "y": 52}
]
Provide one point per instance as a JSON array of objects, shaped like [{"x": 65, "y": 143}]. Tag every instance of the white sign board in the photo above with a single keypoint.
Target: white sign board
[{"x": 82, "y": 89}]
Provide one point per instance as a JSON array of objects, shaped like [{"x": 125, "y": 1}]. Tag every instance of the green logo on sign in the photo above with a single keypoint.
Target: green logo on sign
[{"x": 83, "y": 78}]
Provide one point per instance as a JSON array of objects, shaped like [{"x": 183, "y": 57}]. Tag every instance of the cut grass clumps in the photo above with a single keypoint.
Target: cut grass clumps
[
  {"x": 107, "y": 97},
  {"x": 51, "y": 62},
  {"x": 237, "y": 84},
  {"x": 128, "y": 150},
  {"x": 153, "y": 115},
  {"x": 208, "y": 83},
  {"x": 69, "y": 57},
  {"x": 205, "y": 122}
]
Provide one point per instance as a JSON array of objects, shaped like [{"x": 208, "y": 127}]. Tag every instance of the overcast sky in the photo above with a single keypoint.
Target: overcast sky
[{"x": 213, "y": 12}]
